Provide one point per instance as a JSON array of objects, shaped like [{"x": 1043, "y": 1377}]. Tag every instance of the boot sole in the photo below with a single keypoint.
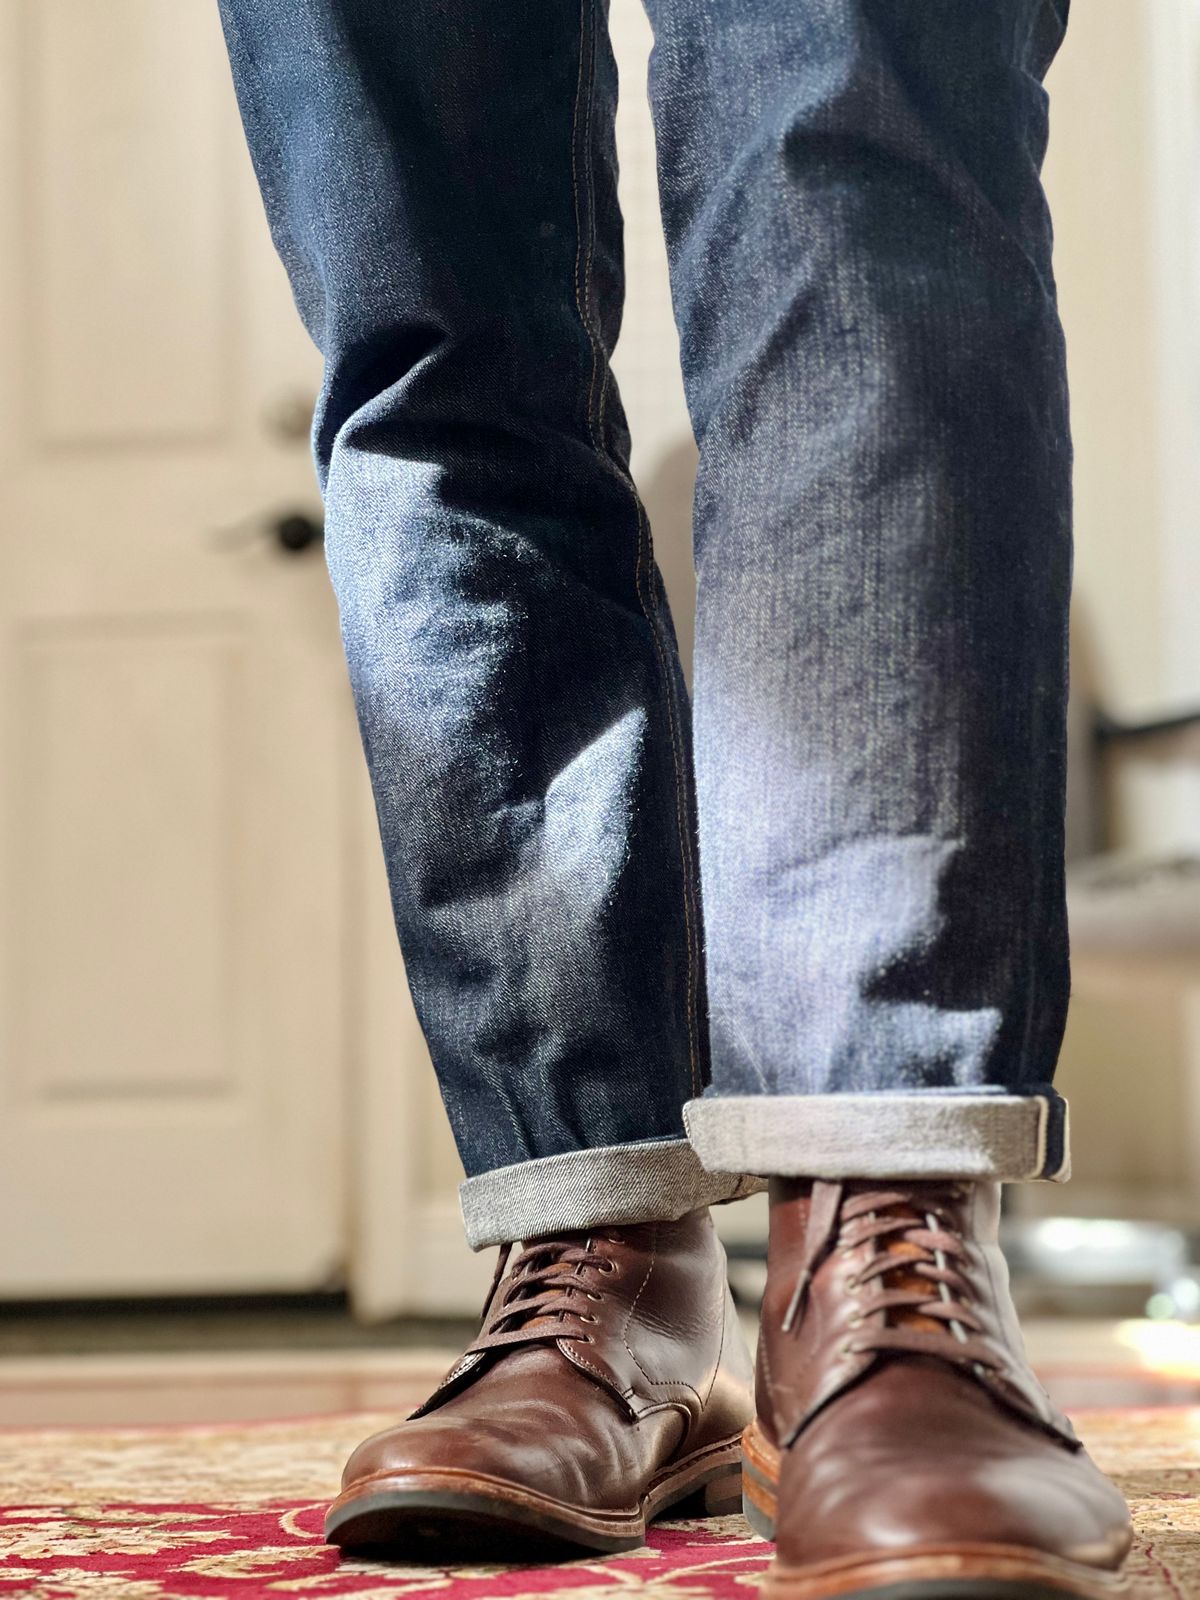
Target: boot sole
[
  {"x": 455, "y": 1510},
  {"x": 948, "y": 1572}
]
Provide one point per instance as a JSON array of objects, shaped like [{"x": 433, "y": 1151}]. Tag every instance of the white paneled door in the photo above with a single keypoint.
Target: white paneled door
[{"x": 177, "y": 760}]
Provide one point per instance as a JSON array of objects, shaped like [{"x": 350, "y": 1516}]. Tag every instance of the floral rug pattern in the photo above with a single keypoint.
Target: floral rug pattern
[{"x": 234, "y": 1513}]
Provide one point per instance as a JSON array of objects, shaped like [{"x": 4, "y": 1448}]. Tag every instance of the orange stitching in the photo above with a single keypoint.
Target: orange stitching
[
  {"x": 580, "y": 268},
  {"x": 599, "y": 356}
]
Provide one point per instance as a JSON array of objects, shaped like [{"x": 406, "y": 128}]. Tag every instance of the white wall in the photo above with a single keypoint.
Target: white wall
[{"x": 1122, "y": 176}]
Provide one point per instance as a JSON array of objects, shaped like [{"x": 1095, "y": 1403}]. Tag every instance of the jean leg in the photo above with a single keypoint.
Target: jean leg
[
  {"x": 861, "y": 269},
  {"x": 441, "y": 185}
]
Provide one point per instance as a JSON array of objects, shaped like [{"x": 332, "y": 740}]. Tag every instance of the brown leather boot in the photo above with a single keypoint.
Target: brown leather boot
[
  {"x": 609, "y": 1382},
  {"x": 902, "y": 1447}
]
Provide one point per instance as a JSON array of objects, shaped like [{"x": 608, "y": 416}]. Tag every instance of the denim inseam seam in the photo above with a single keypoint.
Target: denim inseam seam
[
  {"x": 584, "y": 244},
  {"x": 682, "y": 819},
  {"x": 583, "y": 263}
]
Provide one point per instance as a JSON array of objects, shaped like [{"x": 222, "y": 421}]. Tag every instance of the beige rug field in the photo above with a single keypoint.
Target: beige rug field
[{"x": 234, "y": 1513}]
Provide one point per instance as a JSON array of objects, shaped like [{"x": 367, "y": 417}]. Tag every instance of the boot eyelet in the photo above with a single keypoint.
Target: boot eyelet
[
  {"x": 586, "y": 1316},
  {"x": 846, "y": 1351},
  {"x": 592, "y": 1296},
  {"x": 852, "y": 1286},
  {"x": 856, "y": 1321},
  {"x": 608, "y": 1266}
]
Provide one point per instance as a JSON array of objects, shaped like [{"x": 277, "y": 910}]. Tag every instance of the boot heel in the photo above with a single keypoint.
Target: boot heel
[
  {"x": 719, "y": 1497},
  {"x": 723, "y": 1496},
  {"x": 760, "y": 1481},
  {"x": 759, "y": 1519}
]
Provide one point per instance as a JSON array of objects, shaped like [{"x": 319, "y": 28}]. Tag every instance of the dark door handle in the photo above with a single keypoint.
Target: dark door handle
[{"x": 295, "y": 532}]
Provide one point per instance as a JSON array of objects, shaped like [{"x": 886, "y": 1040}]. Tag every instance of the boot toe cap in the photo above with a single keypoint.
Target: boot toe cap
[{"x": 849, "y": 1496}]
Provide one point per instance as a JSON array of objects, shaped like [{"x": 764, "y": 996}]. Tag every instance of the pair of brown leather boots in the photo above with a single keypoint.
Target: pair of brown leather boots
[{"x": 897, "y": 1444}]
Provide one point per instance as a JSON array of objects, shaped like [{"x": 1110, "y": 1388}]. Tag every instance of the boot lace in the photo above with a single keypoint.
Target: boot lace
[
  {"x": 552, "y": 1287},
  {"x": 915, "y": 1295}
]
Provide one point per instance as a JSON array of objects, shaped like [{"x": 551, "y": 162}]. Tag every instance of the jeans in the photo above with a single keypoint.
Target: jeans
[{"x": 837, "y": 935}]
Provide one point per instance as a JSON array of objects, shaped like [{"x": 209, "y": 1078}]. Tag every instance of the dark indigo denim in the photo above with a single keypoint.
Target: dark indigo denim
[{"x": 860, "y": 253}]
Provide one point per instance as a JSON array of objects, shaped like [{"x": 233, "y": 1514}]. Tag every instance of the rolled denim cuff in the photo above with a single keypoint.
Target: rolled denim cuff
[
  {"x": 914, "y": 1134},
  {"x": 659, "y": 1181}
]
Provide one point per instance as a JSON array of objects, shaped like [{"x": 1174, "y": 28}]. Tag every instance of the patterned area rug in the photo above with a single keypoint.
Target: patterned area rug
[{"x": 234, "y": 1513}]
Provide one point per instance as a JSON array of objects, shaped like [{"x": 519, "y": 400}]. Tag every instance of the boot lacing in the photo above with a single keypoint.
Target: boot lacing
[{"x": 916, "y": 1298}]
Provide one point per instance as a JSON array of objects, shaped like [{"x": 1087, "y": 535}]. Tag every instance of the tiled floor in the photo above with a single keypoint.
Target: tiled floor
[{"x": 1084, "y": 1364}]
